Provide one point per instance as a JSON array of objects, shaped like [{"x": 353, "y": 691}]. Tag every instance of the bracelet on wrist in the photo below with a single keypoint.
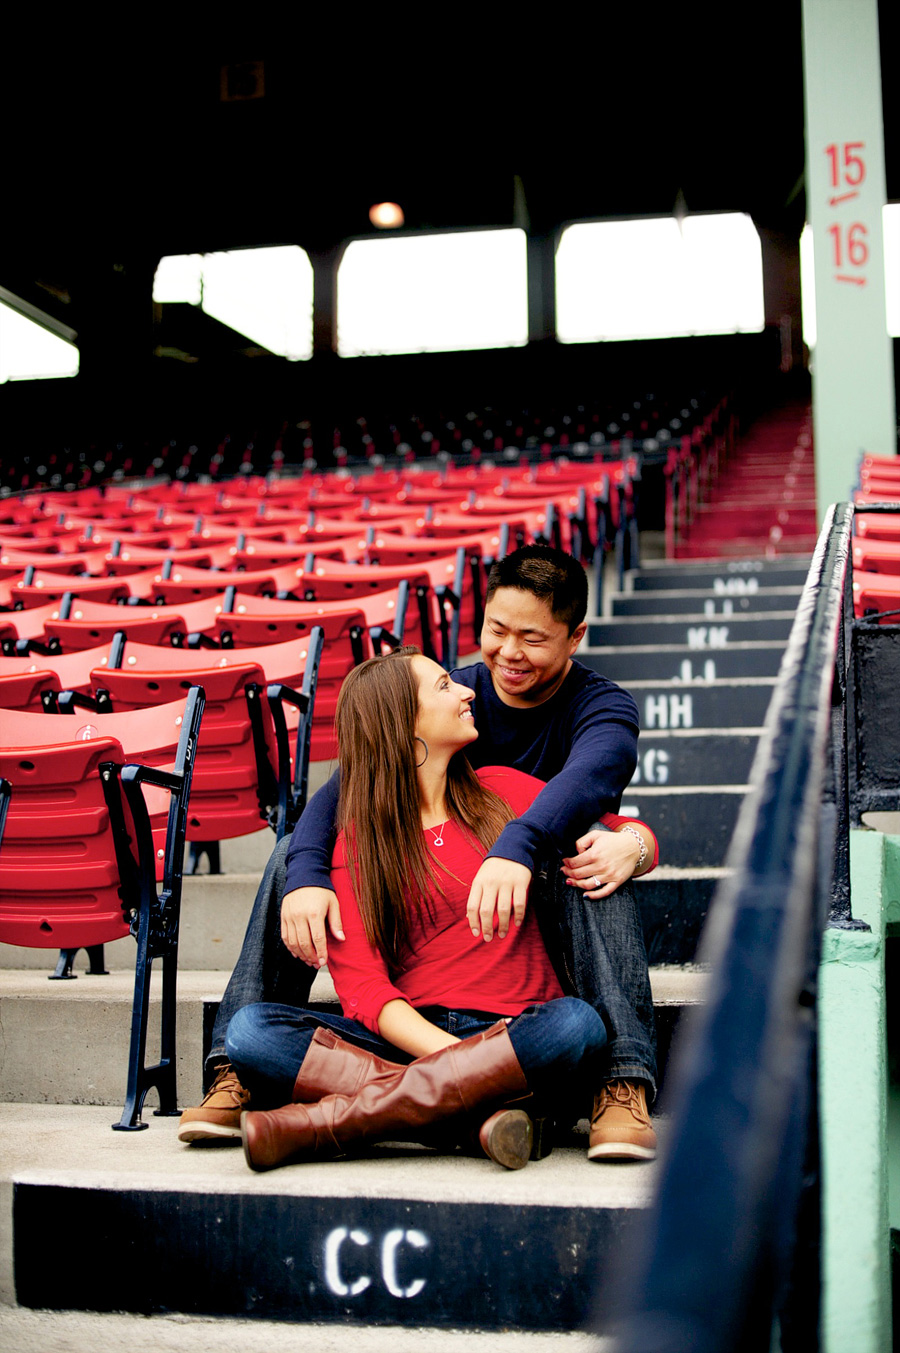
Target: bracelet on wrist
[{"x": 633, "y": 831}]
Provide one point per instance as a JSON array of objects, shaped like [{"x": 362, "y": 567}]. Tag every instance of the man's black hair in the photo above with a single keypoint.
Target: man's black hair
[{"x": 552, "y": 575}]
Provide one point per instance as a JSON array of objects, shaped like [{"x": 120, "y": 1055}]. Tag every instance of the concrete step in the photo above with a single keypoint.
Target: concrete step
[
  {"x": 726, "y": 575},
  {"x": 674, "y": 905},
  {"x": 697, "y": 703},
  {"x": 693, "y": 824},
  {"x": 67, "y": 1042},
  {"x": 694, "y": 756},
  {"x": 214, "y": 914},
  {"x": 25, "y": 1331},
  {"x": 697, "y": 631},
  {"x": 403, "y": 1237},
  {"x": 631, "y": 663},
  {"x": 705, "y": 602}
]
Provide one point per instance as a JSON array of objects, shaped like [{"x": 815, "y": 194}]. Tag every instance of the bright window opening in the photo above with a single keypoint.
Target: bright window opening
[
  {"x": 30, "y": 352},
  {"x": 433, "y": 293},
  {"x": 891, "y": 222},
  {"x": 264, "y": 294},
  {"x": 808, "y": 287},
  {"x": 654, "y": 278},
  {"x": 179, "y": 277}
]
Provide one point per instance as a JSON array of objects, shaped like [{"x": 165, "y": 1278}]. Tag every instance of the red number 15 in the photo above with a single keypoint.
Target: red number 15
[{"x": 854, "y": 168}]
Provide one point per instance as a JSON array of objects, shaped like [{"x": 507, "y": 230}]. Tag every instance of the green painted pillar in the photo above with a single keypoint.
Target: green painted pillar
[
  {"x": 853, "y": 1083},
  {"x": 853, "y": 361}
]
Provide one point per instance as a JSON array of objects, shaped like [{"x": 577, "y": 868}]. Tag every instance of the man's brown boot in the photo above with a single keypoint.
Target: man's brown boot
[
  {"x": 479, "y": 1073},
  {"x": 218, "y": 1117},
  {"x": 620, "y": 1124}
]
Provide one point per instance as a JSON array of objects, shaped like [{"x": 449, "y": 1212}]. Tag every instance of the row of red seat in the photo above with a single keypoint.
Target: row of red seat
[
  {"x": 187, "y": 625},
  {"x": 116, "y": 611},
  {"x": 876, "y": 543}
]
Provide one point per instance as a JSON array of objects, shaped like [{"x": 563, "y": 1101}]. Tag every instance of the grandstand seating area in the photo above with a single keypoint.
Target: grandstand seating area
[
  {"x": 117, "y": 600},
  {"x": 611, "y": 427}
]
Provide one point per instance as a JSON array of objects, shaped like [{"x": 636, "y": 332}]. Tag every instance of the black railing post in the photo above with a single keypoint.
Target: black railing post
[{"x": 732, "y": 1237}]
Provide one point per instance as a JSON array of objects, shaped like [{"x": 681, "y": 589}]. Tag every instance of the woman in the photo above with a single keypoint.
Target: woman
[{"x": 440, "y": 1030}]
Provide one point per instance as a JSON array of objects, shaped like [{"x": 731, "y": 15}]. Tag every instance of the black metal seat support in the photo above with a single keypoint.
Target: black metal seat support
[{"x": 156, "y": 912}]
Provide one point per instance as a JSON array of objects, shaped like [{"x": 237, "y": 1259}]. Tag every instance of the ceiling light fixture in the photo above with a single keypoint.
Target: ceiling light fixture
[{"x": 386, "y": 216}]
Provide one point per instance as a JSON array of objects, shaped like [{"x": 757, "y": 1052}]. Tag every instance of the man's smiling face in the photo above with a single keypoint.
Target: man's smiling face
[{"x": 526, "y": 650}]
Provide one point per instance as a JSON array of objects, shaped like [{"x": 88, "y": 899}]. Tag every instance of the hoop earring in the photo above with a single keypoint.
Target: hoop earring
[{"x": 420, "y": 764}]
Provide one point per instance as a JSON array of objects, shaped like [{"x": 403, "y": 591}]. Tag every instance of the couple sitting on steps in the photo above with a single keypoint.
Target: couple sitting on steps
[{"x": 477, "y": 920}]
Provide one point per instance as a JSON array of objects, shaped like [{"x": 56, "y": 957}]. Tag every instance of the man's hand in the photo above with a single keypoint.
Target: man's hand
[
  {"x": 610, "y": 857},
  {"x": 501, "y": 886},
  {"x": 307, "y": 914}
]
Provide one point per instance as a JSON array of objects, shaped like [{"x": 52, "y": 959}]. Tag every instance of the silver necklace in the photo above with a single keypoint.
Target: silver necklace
[{"x": 438, "y": 833}]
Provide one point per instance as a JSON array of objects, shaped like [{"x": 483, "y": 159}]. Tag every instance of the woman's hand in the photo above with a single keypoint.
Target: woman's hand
[
  {"x": 502, "y": 886},
  {"x": 403, "y": 1026},
  {"x": 307, "y": 914},
  {"x": 610, "y": 857}
]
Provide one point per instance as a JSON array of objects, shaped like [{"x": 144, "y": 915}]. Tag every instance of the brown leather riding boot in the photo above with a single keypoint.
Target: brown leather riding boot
[
  {"x": 333, "y": 1066},
  {"x": 476, "y": 1074}
]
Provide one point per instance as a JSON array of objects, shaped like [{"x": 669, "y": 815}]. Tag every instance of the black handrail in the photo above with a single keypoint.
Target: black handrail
[{"x": 716, "y": 1256}]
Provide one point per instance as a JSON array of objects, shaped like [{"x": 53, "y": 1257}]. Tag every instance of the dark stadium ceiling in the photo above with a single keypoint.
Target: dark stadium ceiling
[{"x": 140, "y": 156}]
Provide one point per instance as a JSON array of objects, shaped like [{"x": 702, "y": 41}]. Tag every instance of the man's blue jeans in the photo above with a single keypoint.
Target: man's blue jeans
[
  {"x": 556, "y": 1044},
  {"x": 596, "y": 947}
]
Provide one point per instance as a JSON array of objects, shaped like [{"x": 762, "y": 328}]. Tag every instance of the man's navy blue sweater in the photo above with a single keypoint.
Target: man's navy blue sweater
[{"x": 582, "y": 741}]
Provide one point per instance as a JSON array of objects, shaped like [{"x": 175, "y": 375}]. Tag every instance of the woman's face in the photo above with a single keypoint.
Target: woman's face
[{"x": 445, "y": 717}]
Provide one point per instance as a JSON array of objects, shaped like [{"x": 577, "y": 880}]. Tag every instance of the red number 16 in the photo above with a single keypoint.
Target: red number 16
[{"x": 857, "y": 248}]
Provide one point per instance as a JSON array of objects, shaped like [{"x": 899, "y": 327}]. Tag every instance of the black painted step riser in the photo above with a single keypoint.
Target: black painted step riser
[
  {"x": 676, "y": 706},
  {"x": 708, "y": 605},
  {"x": 684, "y": 664},
  {"x": 728, "y": 577},
  {"x": 703, "y": 760},
  {"x": 692, "y": 829},
  {"x": 673, "y": 912},
  {"x": 276, "y": 1257},
  {"x": 713, "y": 634}
]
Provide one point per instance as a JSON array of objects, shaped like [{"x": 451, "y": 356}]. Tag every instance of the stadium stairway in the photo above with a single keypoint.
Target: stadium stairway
[
  {"x": 408, "y": 1241},
  {"x": 763, "y": 499}
]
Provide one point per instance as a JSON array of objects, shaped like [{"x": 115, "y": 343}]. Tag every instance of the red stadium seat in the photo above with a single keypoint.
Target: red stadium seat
[
  {"x": 874, "y": 593},
  {"x": 878, "y": 556},
  {"x": 877, "y": 525},
  {"x": 467, "y": 599},
  {"x": 283, "y": 664},
  {"x": 884, "y": 488},
  {"x": 23, "y": 557},
  {"x": 258, "y": 620},
  {"x": 89, "y": 623},
  {"x": 105, "y": 831},
  {"x": 38, "y": 588},
  {"x": 48, "y": 675},
  {"x": 245, "y": 760}
]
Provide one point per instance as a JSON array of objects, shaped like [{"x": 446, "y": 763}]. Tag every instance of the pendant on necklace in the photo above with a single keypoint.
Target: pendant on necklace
[{"x": 438, "y": 835}]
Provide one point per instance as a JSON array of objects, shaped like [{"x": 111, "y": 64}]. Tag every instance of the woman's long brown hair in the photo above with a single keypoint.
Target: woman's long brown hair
[{"x": 392, "y": 875}]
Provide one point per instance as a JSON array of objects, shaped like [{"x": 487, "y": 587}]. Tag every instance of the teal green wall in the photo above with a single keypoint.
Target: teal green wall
[{"x": 854, "y": 1107}]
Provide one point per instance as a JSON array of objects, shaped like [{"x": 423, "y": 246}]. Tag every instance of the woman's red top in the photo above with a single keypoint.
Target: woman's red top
[{"x": 447, "y": 965}]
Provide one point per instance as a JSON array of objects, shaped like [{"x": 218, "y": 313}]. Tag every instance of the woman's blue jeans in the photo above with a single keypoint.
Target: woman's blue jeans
[
  {"x": 556, "y": 1044},
  {"x": 597, "y": 948}
]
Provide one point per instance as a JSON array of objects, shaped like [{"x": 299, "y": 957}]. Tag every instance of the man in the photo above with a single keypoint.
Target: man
[{"x": 543, "y": 713}]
